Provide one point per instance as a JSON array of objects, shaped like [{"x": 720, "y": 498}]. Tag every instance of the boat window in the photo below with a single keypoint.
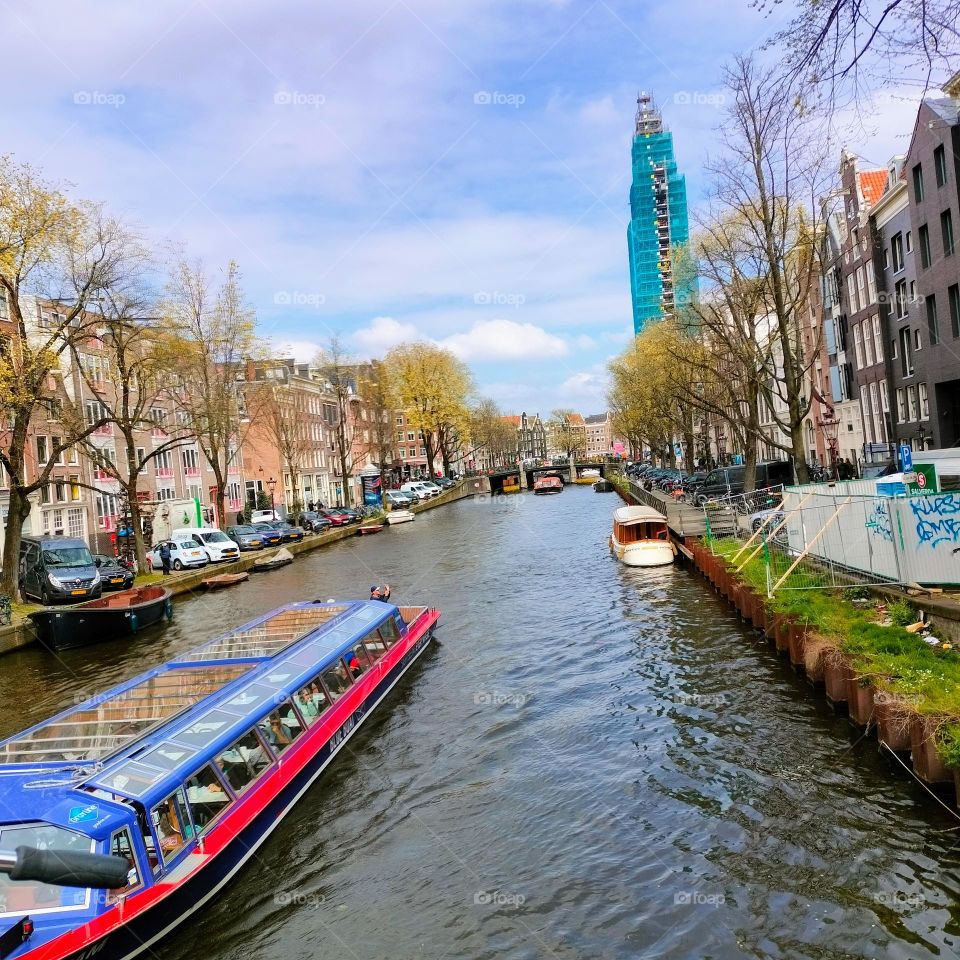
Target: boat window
[
  {"x": 121, "y": 846},
  {"x": 132, "y": 778},
  {"x": 249, "y": 699},
  {"x": 336, "y": 680},
  {"x": 243, "y": 761},
  {"x": 281, "y": 727},
  {"x": 311, "y": 701},
  {"x": 207, "y": 796},
  {"x": 167, "y": 756},
  {"x": 207, "y": 729},
  {"x": 171, "y": 820},
  {"x": 375, "y": 645},
  {"x": 357, "y": 661},
  {"x": 21, "y": 896},
  {"x": 389, "y": 632}
]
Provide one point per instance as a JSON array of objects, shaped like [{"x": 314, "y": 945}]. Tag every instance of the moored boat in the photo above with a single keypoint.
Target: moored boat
[
  {"x": 549, "y": 484},
  {"x": 369, "y": 528},
  {"x": 185, "y": 770},
  {"x": 400, "y": 516},
  {"x": 280, "y": 559},
  {"x": 641, "y": 538},
  {"x": 108, "y": 617},
  {"x": 224, "y": 580},
  {"x": 603, "y": 486}
]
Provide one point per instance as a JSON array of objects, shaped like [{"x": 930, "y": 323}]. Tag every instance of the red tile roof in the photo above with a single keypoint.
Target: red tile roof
[
  {"x": 514, "y": 420},
  {"x": 872, "y": 184}
]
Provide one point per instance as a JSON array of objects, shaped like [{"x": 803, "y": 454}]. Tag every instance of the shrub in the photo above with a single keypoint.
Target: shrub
[{"x": 901, "y": 613}]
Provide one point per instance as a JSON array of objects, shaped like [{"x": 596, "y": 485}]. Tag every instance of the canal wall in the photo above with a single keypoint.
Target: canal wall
[
  {"x": 913, "y": 735},
  {"x": 20, "y": 634}
]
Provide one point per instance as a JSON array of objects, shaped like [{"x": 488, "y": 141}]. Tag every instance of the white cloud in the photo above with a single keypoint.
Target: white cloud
[
  {"x": 505, "y": 340},
  {"x": 587, "y": 385},
  {"x": 382, "y": 334},
  {"x": 303, "y": 351}
]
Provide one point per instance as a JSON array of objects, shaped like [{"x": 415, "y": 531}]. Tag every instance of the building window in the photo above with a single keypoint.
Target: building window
[
  {"x": 906, "y": 353},
  {"x": 886, "y": 259},
  {"x": 946, "y": 232},
  {"x": 901, "y": 406},
  {"x": 916, "y": 339},
  {"x": 877, "y": 341},
  {"x": 893, "y": 349},
  {"x": 411, "y": 437},
  {"x": 41, "y": 451},
  {"x": 940, "y": 165},
  {"x": 909, "y": 241},
  {"x": 924, "y": 401},
  {"x": 933, "y": 329},
  {"x": 871, "y": 283},
  {"x": 74, "y": 488},
  {"x": 954, "y": 295},
  {"x": 924, "y": 238},
  {"x": 867, "y": 343},
  {"x": 896, "y": 251},
  {"x": 852, "y": 294},
  {"x": 858, "y": 345},
  {"x": 900, "y": 298},
  {"x": 918, "y": 183},
  {"x": 75, "y": 522},
  {"x": 913, "y": 292},
  {"x": 861, "y": 288},
  {"x": 402, "y": 452},
  {"x": 914, "y": 405}
]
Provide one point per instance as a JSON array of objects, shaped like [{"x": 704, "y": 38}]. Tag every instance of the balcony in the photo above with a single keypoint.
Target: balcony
[
  {"x": 106, "y": 430},
  {"x": 163, "y": 473},
  {"x": 108, "y": 521},
  {"x": 191, "y": 471}
]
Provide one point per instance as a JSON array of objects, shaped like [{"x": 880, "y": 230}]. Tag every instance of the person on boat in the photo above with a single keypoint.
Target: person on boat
[
  {"x": 380, "y": 593},
  {"x": 165, "y": 557}
]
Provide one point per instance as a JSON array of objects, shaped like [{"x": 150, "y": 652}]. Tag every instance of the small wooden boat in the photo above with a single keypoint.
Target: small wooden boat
[
  {"x": 549, "y": 484},
  {"x": 119, "y": 615},
  {"x": 280, "y": 559},
  {"x": 640, "y": 537},
  {"x": 603, "y": 486},
  {"x": 370, "y": 528},
  {"x": 400, "y": 516},
  {"x": 224, "y": 580}
]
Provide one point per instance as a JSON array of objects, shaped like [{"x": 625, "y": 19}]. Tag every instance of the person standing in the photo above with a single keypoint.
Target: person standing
[{"x": 165, "y": 557}]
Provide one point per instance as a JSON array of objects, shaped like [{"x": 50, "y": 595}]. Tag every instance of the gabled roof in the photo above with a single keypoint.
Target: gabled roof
[
  {"x": 872, "y": 184},
  {"x": 596, "y": 418},
  {"x": 575, "y": 419},
  {"x": 515, "y": 420}
]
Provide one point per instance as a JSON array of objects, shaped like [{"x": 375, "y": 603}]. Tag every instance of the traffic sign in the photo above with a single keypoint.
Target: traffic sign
[{"x": 906, "y": 457}]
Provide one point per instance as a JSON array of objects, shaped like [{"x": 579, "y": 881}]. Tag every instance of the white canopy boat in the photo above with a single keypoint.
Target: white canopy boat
[
  {"x": 400, "y": 516},
  {"x": 640, "y": 537}
]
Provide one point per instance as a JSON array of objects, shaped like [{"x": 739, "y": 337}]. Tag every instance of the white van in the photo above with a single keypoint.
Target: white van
[
  {"x": 216, "y": 543},
  {"x": 264, "y": 516},
  {"x": 419, "y": 490}
]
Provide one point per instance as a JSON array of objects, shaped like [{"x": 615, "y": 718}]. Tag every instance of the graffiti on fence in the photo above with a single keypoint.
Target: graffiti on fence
[
  {"x": 937, "y": 518},
  {"x": 878, "y": 523}
]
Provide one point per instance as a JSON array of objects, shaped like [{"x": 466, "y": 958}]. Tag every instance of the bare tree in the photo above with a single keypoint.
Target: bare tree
[
  {"x": 341, "y": 376},
  {"x": 213, "y": 333},
  {"x": 375, "y": 393}
]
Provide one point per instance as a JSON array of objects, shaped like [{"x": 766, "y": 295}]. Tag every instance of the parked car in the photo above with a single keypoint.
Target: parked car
[
  {"x": 433, "y": 487},
  {"x": 729, "y": 480},
  {"x": 246, "y": 537},
  {"x": 336, "y": 516},
  {"x": 874, "y": 471},
  {"x": 400, "y": 501},
  {"x": 113, "y": 574},
  {"x": 184, "y": 554},
  {"x": 422, "y": 491},
  {"x": 272, "y": 537},
  {"x": 290, "y": 533},
  {"x": 312, "y": 520},
  {"x": 772, "y": 517},
  {"x": 445, "y": 482},
  {"x": 260, "y": 516},
  {"x": 58, "y": 568},
  {"x": 216, "y": 543}
]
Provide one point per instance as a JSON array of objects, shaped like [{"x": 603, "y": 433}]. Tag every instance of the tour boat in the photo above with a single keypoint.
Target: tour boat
[
  {"x": 106, "y": 618},
  {"x": 185, "y": 770},
  {"x": 548, "y": 484},
  {"x": 399, "y": 516},
  {"x": 640, "y": 537}
]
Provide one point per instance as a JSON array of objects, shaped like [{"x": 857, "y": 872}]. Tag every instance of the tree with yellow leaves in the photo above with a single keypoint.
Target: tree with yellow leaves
[
  {"x": 57, "y": 258},
  {"x": 432, "y": 387}
]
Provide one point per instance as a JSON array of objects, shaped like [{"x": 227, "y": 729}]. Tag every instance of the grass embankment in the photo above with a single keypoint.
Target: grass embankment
[{"x": 924, "y": 676}]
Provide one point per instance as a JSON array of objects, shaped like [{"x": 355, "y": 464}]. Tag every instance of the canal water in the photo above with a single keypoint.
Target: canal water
[{"x": 592, "y": 762}]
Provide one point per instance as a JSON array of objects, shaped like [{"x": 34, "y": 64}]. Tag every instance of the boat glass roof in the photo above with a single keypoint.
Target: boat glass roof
[
  {"x": 267, "y": 638},
  {"x": 96, "y": 729}
]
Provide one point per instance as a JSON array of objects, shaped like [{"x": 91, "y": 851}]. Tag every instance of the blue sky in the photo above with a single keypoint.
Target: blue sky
[{"x": 389, "y": 170}]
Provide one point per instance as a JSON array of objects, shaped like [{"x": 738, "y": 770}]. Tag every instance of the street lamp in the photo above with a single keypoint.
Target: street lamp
[
  {"x": 921, "y": 432},
  {"x": 830, "y": 427},
  {"x": 272, "y": 484}
]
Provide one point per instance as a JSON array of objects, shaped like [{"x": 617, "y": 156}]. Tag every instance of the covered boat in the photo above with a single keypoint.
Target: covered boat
[
  {"x": 280, "y": 559},
  {"x": 603, "y": 486},
  {"x": 106, "y": 618},
  {"x": 548, "y": 484},
  {"x": 186, "y": 769},
  {"x": 399, "y": 516},
  {"x": 640, "y": 537}
]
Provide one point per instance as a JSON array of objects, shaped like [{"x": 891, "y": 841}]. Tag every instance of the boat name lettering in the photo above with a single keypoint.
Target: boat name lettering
[
  {"x": 83, "y": 814},
  {"x": 342, "y": 734}
]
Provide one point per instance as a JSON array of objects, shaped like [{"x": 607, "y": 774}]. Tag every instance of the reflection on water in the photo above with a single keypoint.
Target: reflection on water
[{"x": 593, "y": 761}]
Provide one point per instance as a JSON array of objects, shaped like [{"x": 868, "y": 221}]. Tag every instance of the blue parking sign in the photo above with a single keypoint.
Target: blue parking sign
[{"x": 906, "y": 458}]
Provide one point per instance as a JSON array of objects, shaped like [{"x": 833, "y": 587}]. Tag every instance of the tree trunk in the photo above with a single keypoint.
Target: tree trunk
[
  {"x": 136, "y": 525},
  {"x": 18, "y": 511},
  {"x": 689, "y": 441},
  {"x": 220, "y": 498},
  {"x": 799, "y": 455}
]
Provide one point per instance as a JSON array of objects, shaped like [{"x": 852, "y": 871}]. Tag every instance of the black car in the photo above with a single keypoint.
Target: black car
[
  {"x": 113, "y": 574},
  {"x": 314, "y": 522},
  {"x": 288, "y": 531}
]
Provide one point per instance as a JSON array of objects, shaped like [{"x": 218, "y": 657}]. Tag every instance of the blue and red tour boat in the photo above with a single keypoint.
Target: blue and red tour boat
[{"x": 185, "y": 770}]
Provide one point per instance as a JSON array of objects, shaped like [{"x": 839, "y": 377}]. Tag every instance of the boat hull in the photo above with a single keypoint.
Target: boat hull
[
  {"x": 644, "y": 553},
  {"x": 63, "y": 628},
  {"x": 145, "y": 928},
  {"x": 400, "y": 516}
]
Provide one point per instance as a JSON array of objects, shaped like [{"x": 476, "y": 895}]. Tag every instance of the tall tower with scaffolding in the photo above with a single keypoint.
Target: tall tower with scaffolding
[{"x": 658, "y": 220}]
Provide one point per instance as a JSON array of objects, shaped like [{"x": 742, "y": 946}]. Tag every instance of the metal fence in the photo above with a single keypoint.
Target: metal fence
[{"x": 843, "y": 534}]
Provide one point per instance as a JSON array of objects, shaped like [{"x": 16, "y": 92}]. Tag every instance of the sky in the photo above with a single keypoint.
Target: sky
[{"x": 390, "y": 170}]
